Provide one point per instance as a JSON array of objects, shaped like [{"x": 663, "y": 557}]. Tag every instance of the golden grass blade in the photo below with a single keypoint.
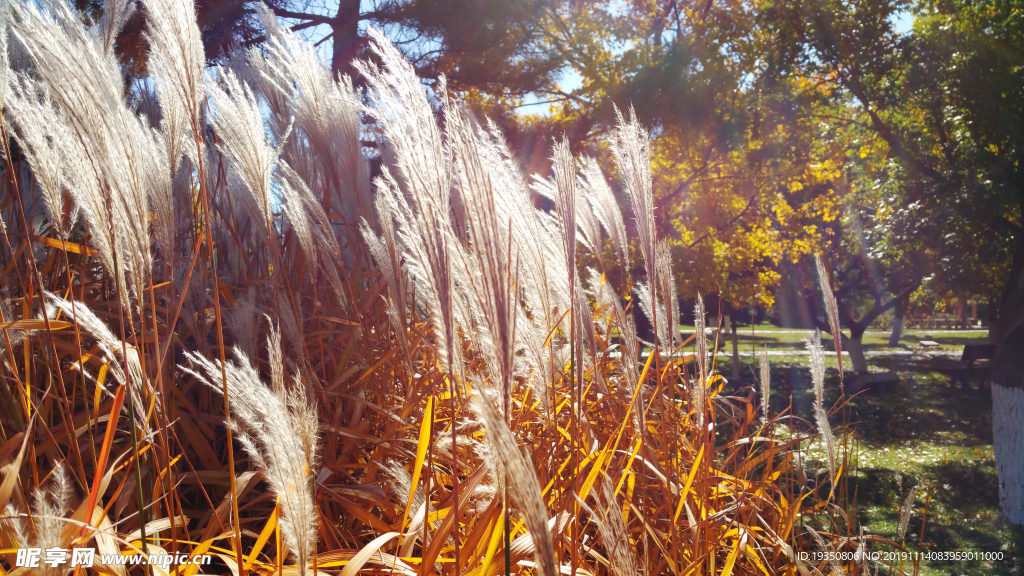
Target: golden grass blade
[
  {"x": 202, "y": 548},
  {"x": 154, "y": 527},
  {"x": 356, "y": 563},
  {"x": 689, "y": 482},
  {"x": 449, "y": 523},
  {"x": 421, "y": 455},
  {"x": 629, "y": 464},
  {"x": 264, "y": 537},
  {"x": 66, "y": 246},
  {"x": 33, "y": 324},
  {"x": 492, "y": 545},
  {"x": 730, "y": 561},
  {"x": 7, "y": 488}
]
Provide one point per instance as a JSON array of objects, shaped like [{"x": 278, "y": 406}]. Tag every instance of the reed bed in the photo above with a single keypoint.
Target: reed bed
[{"x": 223, "y": 333}]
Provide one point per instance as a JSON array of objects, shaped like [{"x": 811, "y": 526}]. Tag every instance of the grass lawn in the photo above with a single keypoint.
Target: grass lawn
[
  {"x": 782, "y": 339},
  {"x": 919, "y": 433}
]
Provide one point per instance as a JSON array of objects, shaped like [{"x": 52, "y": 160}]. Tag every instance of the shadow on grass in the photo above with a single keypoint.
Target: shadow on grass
[
  {"x": 935, "y": 437},
  {"x": 963, "y": 515},
  {"x": 922, "y": 407}
]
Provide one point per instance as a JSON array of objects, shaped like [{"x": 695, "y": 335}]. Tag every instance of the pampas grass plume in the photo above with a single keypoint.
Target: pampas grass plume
[
  {"x": 832, "y": 311},
  {"x": 766, "y": 373},
  {"x": 278, "y": 429}
]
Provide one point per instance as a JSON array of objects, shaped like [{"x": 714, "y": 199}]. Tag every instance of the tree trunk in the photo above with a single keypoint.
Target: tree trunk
[
  {"x": 345, "y": 28},
  {"x": 1008, "y": 421},
  {"x": 855, "y": 346},
  {"x": 898, "y": 322},
  {"x": 1007, "y": 333},
  {"x": 1011, "y": 306}
]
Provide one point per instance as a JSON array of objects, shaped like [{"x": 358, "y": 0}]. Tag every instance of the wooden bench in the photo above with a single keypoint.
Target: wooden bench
[{"x": 963, "y": 369}]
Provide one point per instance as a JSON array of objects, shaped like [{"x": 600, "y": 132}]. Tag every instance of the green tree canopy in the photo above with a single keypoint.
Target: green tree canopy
[{"x": 947, "y": 100}]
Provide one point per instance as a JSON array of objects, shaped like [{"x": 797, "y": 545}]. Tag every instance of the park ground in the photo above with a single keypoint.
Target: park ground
[{"x": 919, "y": 433}]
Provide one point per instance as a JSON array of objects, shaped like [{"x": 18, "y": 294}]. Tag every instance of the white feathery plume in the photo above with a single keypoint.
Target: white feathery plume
[
  {"x": 51, "y": 502},
  {"x": 174, "y": 125},
  {"x": 833, "y": 557},
  {"x": 631, "y": 148},
  {"x": 423, "y": 164},
  {"x": 821, "y": 418},
  {"x": 765, "y": 383},
  {"x": 700, "y": 384},
  {"x": 631, "y": 352},
  {"x": 176, "y": 61},
  {"x": 556, "y": 275},
  {"x": 798, "y": 463},
  {"x": 490, "y": 269},
  {"x": 905, "y": 509},
  {"x": 111, "y": 347},
  {"x": 544, "y": 278},
  {"x": 5, "y": 59},
  {"x": 605, "y": 208},
  {"x": 239, "y": 123},
  {"x": 159, "y": 184},
  {"x": 17, "y": 60},
  {"x": 526, "y": 489},
  {"x": 565, "y": 206},
  {"x": 44, "y": 138},
  {"x": 645, "y": 300},
  {"x": 401, "y": 107},
  {"x": 275, "y": 358},
  {"x": 546, "y": 188},
  {"x": 14, "y": 525},
  {"x": 667, "y": 281},
  {"x": 401, "y": 485},
  {"x": 701, "y": 338},
  {"x": 252, "y": 67},
  {"x": 312, "y": 227},
  {"x": 817, "y": 354},
  {"x": 607, "y": 515},
  {"x": 50, "y": 505},
  {"x": 115, "y": 15},
  {"x": 108, "y": 162},
  {"x": 428, "y": 247},
  {"x": 832, "y": 310},
  {"x": 145, "y": 175},
  {"x": 568, "y": 209},
  {"x": 387, "y": 254},
  {"x": 586, "y": 219},
  {"x": 547, "y": 289},
  {"x": 278, "y": 429},
  {"x": 326, "y": 113},
  {"x": 242, "y": 323},
  {"x": 630, "y": 363},
  {"x": 535, "y": 358}
]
